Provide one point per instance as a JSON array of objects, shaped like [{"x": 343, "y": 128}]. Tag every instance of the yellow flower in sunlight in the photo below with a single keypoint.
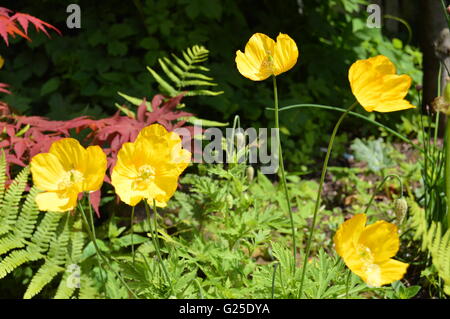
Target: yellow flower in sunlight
[
  {"x": 2, "y": 61},
  {"x": 367, "y": 250},
  {"x": 149, "y": 168},
  {"x": 65, "y": 171},
  {"x": 264, "y": 57},
  {"x": 377, "y": 87}
]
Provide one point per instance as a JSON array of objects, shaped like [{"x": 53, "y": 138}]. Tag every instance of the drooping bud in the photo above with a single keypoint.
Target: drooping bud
[
  {"x": 400, "y": 209},
  {"x": 250, "y": 173},
  {"x": 442, "y": 103}
]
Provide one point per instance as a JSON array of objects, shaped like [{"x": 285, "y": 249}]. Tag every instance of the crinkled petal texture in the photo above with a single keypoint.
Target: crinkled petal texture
[
  {"x": 149, "y": 167},
  {"x": 367, "y": 250},
  {"x": 263, "y": 57},
  {"x": 65, "y": 171},
  {"x": 377, "y": 87}
]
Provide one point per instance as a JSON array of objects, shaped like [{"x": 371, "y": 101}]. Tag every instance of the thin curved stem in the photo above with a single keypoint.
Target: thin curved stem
[
  {"x": 380, "y": 186},
  {"x": 132, "y": 233},
  {"x": 283, "y": 174},
  {"x": 332, "y": 108},
  {"x": 319, "y": 194}
]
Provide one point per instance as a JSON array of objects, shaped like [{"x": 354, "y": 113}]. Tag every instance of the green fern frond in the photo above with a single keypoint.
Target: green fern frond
[
  {"x": 184, "y": 74},
  {"x": 54, "y": 260},
  {"x": 9, "y": 206},
  {"x": 434, "y": 241},
  {"x": 64, "y": 290},
  {"x": 17, "y": 258},
  {"x": 10, "y": 242},
  {"x": 46, "y": 231},
  {"x": 87, "y": 288},
  {"x": 44, "y": 276},
  {"x": 28, "y": 217}
]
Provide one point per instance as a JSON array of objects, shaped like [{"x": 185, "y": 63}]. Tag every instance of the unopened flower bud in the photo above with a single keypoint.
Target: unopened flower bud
[
  {"x": 250, "y": 173},
  {"x": 240, "y": 139},
  {"x": 400, "y": 209},
  {"x": 441, "y": 105}
]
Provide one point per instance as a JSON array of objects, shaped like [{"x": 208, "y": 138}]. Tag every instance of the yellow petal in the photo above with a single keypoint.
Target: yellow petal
[
  {"x": 46, "y": 170},
  {"x": 254, "y": 63},
  {"x": 385, "y": 273},
  {"x": 95, "y": 171},
  {"x": 392, "y": 106},
  {"x": 285, "y": 54},
  {"x": 382, "y": 239},
  {"x": 70, "y": 154},
  {"x": 2, "y": 61},
  {"x": 154, "y": 130},
  {"x": 376, "y": 86},
  {"x": 55, "y": 201},
  {"x": 347, "y": 237}
]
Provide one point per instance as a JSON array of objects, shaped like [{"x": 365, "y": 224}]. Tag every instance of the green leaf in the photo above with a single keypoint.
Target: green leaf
[{"x": 50, "y": 86}]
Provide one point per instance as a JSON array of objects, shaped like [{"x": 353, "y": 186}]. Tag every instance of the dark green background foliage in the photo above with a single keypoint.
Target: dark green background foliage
[{"x": 81, "y": 72}]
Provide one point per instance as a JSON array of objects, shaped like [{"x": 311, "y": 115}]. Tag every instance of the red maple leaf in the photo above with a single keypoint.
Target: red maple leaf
[{"x": 9, "y": 25}]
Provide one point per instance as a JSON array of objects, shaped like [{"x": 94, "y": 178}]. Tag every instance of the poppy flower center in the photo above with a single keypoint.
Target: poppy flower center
[
  {"x": 70, "y": 178},
  {"x": 372, "y": 270},
  {"x": 267, "y": 63},
  {"x": 146, "y": 174}
]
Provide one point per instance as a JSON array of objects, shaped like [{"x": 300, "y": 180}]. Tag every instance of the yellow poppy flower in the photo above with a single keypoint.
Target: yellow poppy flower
[
  {"x": 377, "y": 87},
  {"x": 264, "y": 57},
  {"x": 2, "y": 61},
  {"x": 367, "y": 250},
  {"x": 149, "y": 167},
  {"x": 65, "y": 171}
]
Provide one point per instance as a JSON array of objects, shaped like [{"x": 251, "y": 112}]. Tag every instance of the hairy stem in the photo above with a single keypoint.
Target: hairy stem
[
  {"x": 319, "y": 194},
  {"x": 283, "y": 175}
]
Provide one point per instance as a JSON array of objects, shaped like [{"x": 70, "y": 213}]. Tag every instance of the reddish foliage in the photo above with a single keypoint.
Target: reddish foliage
[
  {"x": 22, "y": 137},
  {"x": 2, "y": 88},
  {"x": 9, "y": 25}
]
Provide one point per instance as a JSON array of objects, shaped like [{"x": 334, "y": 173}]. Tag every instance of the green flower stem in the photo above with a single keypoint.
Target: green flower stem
[
  {"x": 380, "y": 186},
  {"x": 132, "y": 233},
  {"x": 447, "y": 168},
  {"x": 319, "y": 194},
  {"x": 333, "y": 108},
  {"x": 283, "y": 175},
  {"x": 99, "y": 254},
  {"x": 154, "y": 234}
]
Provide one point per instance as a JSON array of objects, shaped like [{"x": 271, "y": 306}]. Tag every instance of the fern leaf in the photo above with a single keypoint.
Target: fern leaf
[
  {"x": 45, "y": 232},
  {"x": 203, "y": 92},
  {"x": 64, "y": 290},
  {"x": 198, "y": 82},
  {"x": 9, "y": 207},
  {"x": 17, "y": 258},
  {"x": 168, "y": 72},
  {"x": 180, "y": 62},
  {"x": 44, "y": 276},
  {"x": 166, "y": 86},
  {"x": 87, "y": 288},
  {"x": 28, "y": 216},
  {"x": 10, "y": 242}
]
